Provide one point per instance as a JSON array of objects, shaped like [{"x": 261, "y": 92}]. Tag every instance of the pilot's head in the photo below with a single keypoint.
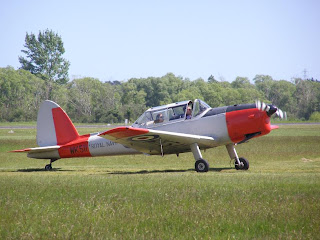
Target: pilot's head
[{"x": 159, "y": 117}]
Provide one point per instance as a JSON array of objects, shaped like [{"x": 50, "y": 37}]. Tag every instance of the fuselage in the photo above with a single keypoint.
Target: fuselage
[{"x": 227, "y": 125}]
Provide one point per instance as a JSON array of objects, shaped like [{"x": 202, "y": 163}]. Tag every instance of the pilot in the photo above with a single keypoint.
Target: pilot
[
  {"x": 159, "y": 118},
  {"x": 189, "y": 113}
]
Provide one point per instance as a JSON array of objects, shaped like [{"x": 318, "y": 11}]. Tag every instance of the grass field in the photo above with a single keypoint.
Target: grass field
[{"x": 143, "y": 197}]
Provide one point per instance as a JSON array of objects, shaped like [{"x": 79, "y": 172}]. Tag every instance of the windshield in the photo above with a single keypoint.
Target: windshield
[
  {"x": 144, "y": 118},
  {"x": 199, "y": 107}
]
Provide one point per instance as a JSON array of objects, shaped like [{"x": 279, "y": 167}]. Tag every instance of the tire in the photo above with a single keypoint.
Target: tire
[
  {"x": 202, "y": 165},
  {"x": 48, "y": 167},
  {"x": 244, "y": 164}
]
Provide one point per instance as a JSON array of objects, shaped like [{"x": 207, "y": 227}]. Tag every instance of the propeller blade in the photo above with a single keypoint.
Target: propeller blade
[
  {"x": 270, "y": 109},
  {"x": 281, "y": 114},
  {"x": 258, "y": 104}
]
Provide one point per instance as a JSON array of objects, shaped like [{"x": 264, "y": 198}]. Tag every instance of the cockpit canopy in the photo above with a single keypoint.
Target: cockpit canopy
[{"x": 170, "y": 113}]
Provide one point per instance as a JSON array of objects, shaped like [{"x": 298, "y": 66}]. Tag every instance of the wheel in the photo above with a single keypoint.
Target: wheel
[
  {"x": 48, "y": 167},
  {"x": 202, "y": 165},
  {"x": 244, "y": 164}
]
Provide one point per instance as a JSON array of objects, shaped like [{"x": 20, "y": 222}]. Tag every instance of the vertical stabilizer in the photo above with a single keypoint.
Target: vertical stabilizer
[{"x": 54, "y": 127}]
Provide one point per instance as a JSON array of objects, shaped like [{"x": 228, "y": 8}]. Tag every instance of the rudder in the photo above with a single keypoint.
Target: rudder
[{"x": 54, "y": 127}]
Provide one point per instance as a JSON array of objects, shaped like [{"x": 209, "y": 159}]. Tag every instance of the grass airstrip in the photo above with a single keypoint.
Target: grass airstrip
[{"x": 152, "y": 197}]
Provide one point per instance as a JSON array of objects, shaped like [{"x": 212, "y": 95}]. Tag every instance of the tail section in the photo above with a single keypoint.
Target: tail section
[{"x": 54, "y": 127}]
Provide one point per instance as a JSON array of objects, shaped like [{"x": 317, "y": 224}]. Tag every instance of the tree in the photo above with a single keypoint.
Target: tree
[
  {"x": 20, "y": 95},
  {"x": 315, "y": 117},
  {"x": 44, "y": 58},
  {"x": 80, "y": 94},
  {"x": 90, "y": 100},
  {"x": 242, "y": 82},
  {"x": 306, "y": 95},
  {"x": 283, "y": 96},
  {"x": 211, "y": 79},
  {"x": 264, "y": 83},
  {"x": 133, "y": 100}
]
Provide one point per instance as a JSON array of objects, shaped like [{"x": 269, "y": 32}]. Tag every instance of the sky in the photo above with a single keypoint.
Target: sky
[{"x": 119, "y": 40}]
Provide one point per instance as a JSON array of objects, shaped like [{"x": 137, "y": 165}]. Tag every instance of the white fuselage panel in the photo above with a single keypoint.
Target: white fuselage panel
[{"x": 99, "y": 146}]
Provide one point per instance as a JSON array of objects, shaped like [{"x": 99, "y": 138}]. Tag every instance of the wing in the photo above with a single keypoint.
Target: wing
[{"x": 156, "y": 142}]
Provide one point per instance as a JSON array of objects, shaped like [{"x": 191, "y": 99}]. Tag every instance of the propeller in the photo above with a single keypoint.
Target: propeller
[
  {"x": 281, "y": 114},
  {"x": 271, "y": 109}
]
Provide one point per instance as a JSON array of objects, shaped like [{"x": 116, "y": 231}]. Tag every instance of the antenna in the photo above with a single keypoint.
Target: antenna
[{"x": 305, "y": 74}]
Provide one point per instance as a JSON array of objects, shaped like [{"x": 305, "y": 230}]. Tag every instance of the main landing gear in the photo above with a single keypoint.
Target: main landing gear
[
  {"x": 48, "y": 167},
  {"x": 201, "y": 165},
  {"x": 239, "y": 163}
]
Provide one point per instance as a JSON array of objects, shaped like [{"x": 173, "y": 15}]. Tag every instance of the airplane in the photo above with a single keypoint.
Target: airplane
[{"x": 175, "y": 128}]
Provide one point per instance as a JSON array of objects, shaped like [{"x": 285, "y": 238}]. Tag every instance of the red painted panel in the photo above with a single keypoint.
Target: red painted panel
[
  {"x": 65, "y": 130},
  {"x": 247, "y": 121},
  {"x": 125, "y": 132},
  {"x": 76, "y": 148}
]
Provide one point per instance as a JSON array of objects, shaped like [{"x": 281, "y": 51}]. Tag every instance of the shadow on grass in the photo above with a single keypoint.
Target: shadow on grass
[
  {"x": 166, "y": 171},
  {"x": 43, "y": 170},
  {"x": 220, "y": 169},
  {"x": 124, "y": 172}
]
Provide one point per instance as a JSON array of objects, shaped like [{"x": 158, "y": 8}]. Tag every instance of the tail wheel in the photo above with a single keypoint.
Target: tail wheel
[
  {"x": 244, "y": 164},
  {"x": 202, "y": 165},
  {"x": 48, "y": 167}
]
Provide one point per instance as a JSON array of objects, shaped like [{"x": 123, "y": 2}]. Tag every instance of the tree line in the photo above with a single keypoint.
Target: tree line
[{"x": 92, "y": 101}]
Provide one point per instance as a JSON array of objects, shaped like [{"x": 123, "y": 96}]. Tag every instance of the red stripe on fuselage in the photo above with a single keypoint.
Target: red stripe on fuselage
[
  {"x": 76, "y": 148},
  {"x": 247, "y": 121}
]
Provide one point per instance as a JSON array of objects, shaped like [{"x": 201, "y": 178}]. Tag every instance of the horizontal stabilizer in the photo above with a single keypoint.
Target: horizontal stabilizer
[{"x": 38, "y": 149}]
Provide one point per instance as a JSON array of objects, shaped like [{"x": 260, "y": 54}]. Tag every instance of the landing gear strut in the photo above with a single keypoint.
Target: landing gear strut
[
  {"x": 201, "y": 165},
  {"x": 48, "y": 167},
  {"x": 239, "y": 163}
]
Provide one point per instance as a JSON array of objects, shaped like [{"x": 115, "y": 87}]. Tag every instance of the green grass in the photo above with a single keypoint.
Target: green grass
[
  {"x": 14, "y": 124},
  {"x": 144, "y": 197}
]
